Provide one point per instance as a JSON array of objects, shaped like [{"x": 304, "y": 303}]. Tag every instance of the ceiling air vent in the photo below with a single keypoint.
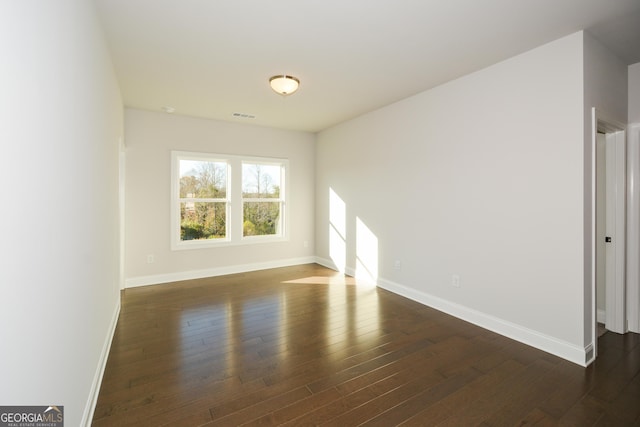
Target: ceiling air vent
[{"x": 244, "y": 116}]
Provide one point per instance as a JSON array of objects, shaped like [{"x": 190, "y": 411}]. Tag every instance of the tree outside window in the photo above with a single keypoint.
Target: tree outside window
[
  {"x": 203, "y": 199},
  {"x": 262, "y": 202}
]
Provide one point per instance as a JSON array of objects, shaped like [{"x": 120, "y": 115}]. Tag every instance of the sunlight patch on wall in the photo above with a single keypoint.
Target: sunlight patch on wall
[
  {"x": 366, "y": 254},
  {"x": 337, "y": 231}
]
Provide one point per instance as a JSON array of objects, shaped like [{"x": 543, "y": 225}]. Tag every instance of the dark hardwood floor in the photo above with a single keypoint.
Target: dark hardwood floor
[{"x": 306, "y": 346}]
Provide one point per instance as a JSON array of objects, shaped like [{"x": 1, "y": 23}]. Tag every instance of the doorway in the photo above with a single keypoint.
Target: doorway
[{"x": 609, "y": 225}]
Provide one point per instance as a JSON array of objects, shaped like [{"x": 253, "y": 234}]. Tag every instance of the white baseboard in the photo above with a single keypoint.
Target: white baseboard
[
  {"x": 560, "y": 348},
  {"x": 590, "y": 355},
  {"x": 90, "y": 407},
  {"x": 525, "y": 335},
  {"x": 133, "y": 282},
  {"x": 326, "y": 263},
  {"x": 332, "y": 265}
]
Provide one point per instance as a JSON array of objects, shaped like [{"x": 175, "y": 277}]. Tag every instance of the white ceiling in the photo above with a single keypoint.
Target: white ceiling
[{"x": 213, "y": 58}]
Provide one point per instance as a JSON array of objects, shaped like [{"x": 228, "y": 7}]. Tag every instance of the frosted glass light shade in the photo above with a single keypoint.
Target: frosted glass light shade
[{"x": 284, "y": 85}]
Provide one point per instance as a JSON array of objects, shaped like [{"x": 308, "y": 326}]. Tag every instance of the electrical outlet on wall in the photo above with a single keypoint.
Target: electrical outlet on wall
[
  {"x": 455, "y": 281},
  {"x": 397, "y": 265},
  {"x": 150, "y": 259}
]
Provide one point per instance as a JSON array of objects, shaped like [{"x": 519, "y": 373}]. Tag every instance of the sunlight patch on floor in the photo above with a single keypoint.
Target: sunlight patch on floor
[{"x": 326, "y": 280}]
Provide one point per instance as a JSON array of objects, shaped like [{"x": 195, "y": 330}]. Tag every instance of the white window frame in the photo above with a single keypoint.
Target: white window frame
[
  {"x": 176, "y": 200},
  {"x": 234, "y": 201},
  {"x": 283, "y": 164}
]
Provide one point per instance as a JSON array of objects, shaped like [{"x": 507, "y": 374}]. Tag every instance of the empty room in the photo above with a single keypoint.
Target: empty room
[{"x": 225, "y": 213}]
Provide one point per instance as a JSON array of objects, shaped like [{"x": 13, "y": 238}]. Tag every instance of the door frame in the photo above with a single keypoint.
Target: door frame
[
  {"x": 616, "y": 305},
  {"x": 122, "y": 174},
  {"x": 633, "y": 227}
]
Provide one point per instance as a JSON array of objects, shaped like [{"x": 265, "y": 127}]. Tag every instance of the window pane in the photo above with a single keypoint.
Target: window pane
[
  {"x": 261, "y": 218},
  {"x": 260, "y": 181},
  {"x": 203, "y": 179},
  {"x": 203, "y": 220}
]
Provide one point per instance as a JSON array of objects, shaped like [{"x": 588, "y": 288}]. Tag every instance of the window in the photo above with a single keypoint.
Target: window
[
  {"x": 222, "y": 200},
  {"x": 262, "y": 204},
  {"x": 202, "y": 197}
]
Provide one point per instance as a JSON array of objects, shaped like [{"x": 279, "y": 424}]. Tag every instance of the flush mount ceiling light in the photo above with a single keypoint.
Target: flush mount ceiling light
[{"x": 284, "y": 84}]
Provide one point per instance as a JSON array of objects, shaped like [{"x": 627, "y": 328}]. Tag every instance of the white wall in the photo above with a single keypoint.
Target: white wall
[
  {"x": 634, "y": 93},
  {"x": 481, "y": 177},
  {"x": 633, "y": 192},
  {"x": 150, "y": 138},
  {"x": 605, "y": 82},
  {"x": 61, "y": 120}
]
